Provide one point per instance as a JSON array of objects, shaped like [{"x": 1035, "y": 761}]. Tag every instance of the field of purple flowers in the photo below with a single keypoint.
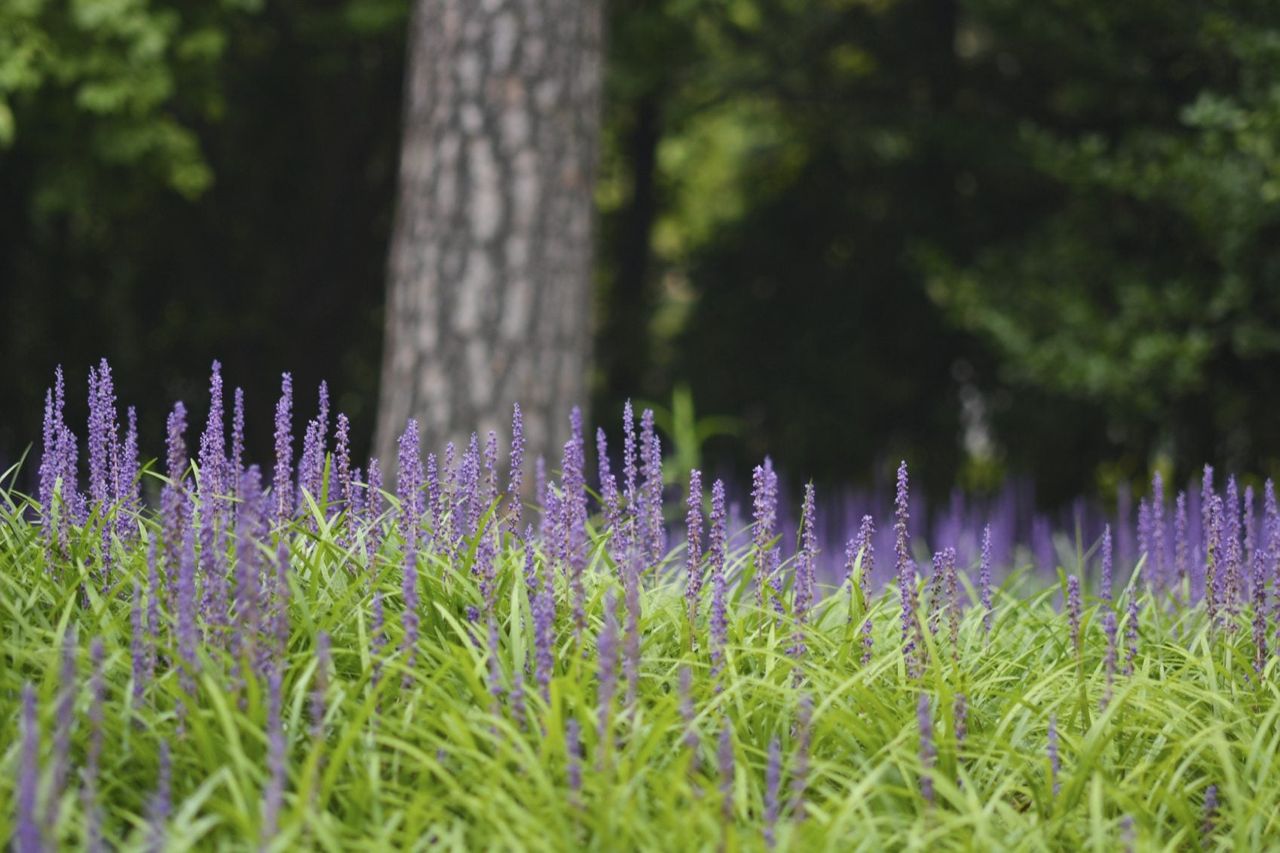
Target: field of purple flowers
[{"x": 498, "y": 654}]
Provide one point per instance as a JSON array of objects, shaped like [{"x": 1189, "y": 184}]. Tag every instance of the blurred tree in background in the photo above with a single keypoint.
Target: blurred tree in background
[{"x": 994, "y": 235}]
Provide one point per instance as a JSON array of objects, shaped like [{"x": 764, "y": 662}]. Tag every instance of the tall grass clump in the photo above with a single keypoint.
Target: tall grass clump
[{"x": 197, "y": 654}]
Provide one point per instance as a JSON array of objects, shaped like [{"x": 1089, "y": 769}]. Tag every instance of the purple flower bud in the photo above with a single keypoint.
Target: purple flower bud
[
  {"x": 103, "y": 436},
  {"x": 573, "y": 510},
  {"x": 1250, "y": 527},
  {"x": 64, "y": 720},
  {"x": 607, "y": 654},
  {"x": 1232, "y": 550},
  {"x": 609, "y": 500},
  {"x": 1105, "y": 583},
  {"x": 651, "y": 525},
  {"x": 629, "y": 471},
  {"x": 906, "y": 572},
  {"x": 282, "y": 481},
  {"x": 800, "y": 767},
  {"x": 984, "y": 579},
  {"x": 1180, "y": 545},
  {"x": 515, "y": 481},
  {"x": 764, "y": 499},
  {"x": 1259, "y": 583},
  {"x": 1215, "y": 577},
  {"x": 1157, "y": 531},
  {"x": 1109, "y": 628},
  {"x": 1131, "y": 633},
  {"x": 161, "y": 800},
  {"x": 467, "y": 508},
  {"x": 927, "y": 751},
  {"x": 373, "y": 512},
  {"x": 273, "y": 796},
  {"x": 725, "y": 759},
  {"x": 213, "y": 448},
  {"x": 805, "y": 574},
  {"x": 716, "y": 556},
  {"x": 1073, "y": 612},
  {"x": 237, "y": 438},
  {"x": 693, "y": 539},
  {"x": 342, "y": 489},
  {"x": 772, "y": 784},
  {"x": 1051, "y": 748},
  {"x": 687, "y": 715},
  {"x": 250, "y": 533},
  {"x": 409, "y": 482},
  {"x": 573, "y": 759},
  {"x": 539, "y": 483},
  {"x": 173, "y": 498},
  {"x": 28, "y": 838},
  {"x": 320, "y": 689},
  {"x": 490, "y": 472},
  {"x": 89, "y": 773},
  {"x": 1210, "y": 815}
]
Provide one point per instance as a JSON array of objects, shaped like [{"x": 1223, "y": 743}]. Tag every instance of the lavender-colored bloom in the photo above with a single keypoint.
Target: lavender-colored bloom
[
  {"x": 1231, "y": 550},
  {"x": 573, "y": 759},
  {"x": 173, "y": 497},
  {"x": 467, "y": 506},
  {"x": 64, "y": 719},
  {"x": 1210, "y": 815},
  {"x": 961, "y": 714},
  {"x": 693, "y": 540},
  {"x": 539, "y": 482},
  {"x": 250, "y": 533},
  {"x": 653, "y": 533},
  {"x": 1250, "y": 527},
  {"x": 89, "y": 773},
  {"x": 213, "y": 448},
  {"x": 519, "y": 712},
  {"x": 906, "y": 571},
  {"x": 724, "y": 757},
  {"x": 1180, "y": 544},
  {"x": 800, "y": 759},
  {"x": 138, "y": 651},
  {"x": 161, "y": 802},
  {"x": 772, "y": 784},
  {"x": 1106, "y": 581},
  {"x": 544, "y": 615},
  {"x": 805, "y": 574},
  {"x": 189, "y": 664},
  {"x": 1051, "y": 748},
  {"x": 764, "y": 499},
  {"x": 609, "y": 500},
  {"x": 237, "y": 437},
  {"x": 50, "y": 465},
  {"x": 573, "y": 512},
  {"x": 320, "y": 690},
  {"x": 716, "y": 556},
  {"x": 984, "y": 580},
  {"x": 311, "y": 465},
  {"x": 928, "y": 752},
  {"x": 629, "y": 471},
  {"x": 1145, "y": 536},
  {"x": 27, "y": 838},
  {"x": 409, "y": 482},
  {"x": 127, "y": 485},
  {"x": 282, "y": 481},
  {"x": 863, "y": 550},
  {"x": 1073, "y": 612},
  {"x": 631, "y": 645},
  {"x": 515, "y": 481},
  {"x": 373, "y": 512},
  {"x": 490, "y": 472},
  {"x": 435, "y": 499},
  {"x": 607, "y": 655},
  {"x": 281, "y": 593},
  {"x": 1131, "y": 633},
  {"x": 342, "y": 463},
  {"x": 1157, "y": 531},
  {"x": 687, "y": 715},
  {"x": 1214, "y": 582},
  {"x": 1110, "y": 629},
  {"x": 103, "y": 435},
  {"x": 1259, "y": 590},
  {"x": 273, "y": 796}
]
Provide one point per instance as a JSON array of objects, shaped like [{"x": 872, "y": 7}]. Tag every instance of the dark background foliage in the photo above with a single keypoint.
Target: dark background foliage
[{"x": 993, "y": 236}]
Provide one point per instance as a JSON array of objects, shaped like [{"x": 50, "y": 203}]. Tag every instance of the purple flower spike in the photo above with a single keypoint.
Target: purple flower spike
[
  {"x": 805, "y": 575},
  {"x": 764, "y": 498},
  {"x": 320, "y": 689},
  {"x": 654, "y": 533},
  {"x": 1073, "y": 612},
  {"x": 629, "y": 470},
  {"x": 237, "y": 438},
  {"x": 1157, "y": 532},
  {"x": 273, "y": 797},
  {"x": 631, "y": 649},
  {"x": 409, "y": 483},
  {"x": 1051, "y": 748},
  {"x": 1131, "y": 633},
  {"x": 906, "y": 571},
  {"x": 725, "y": 759},
  {"x": 161, "y": 802},
  {"x": 924, "y": 722},
  {"x": 64, "y": 719},
  {"x": 693, "y": 538},
  {"x": 772, "y": 783},
  {"x": 103, "y": 434},
  {"x": 27, "y": 838},
  {"x": 800, "y": 767},
  {"x": 188, "y": 639},
  {"x": 213, "y": 448},
  {"x": 1110, "y": 629},
  {"x": 609, "y": 500},
  {"x": 1259, "y": 584},
  {"x": 543, "y": 605},
  {"x": 1105, "y": 582},
  {"x": 251, "y": 530},
  {"x": 961, "y": 712},
  {"x": 607, "y": 653},
  {"x": 282, "y": 482},
  {"x": 515, "y": 480},
  {"x": 716, "y": 556},
  {"x": 984, "y": 579},
  {"x": 340, "y": 493},
  {"x": 1210, "y": 815},
  {"x": 573, "y": 759}
]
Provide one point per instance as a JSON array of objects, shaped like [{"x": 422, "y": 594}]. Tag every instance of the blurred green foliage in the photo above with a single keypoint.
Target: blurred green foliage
[{"x": 992, "y": 235}]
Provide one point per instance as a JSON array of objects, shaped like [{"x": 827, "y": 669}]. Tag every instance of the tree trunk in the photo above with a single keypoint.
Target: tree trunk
[{"x": 490, "y": 265}]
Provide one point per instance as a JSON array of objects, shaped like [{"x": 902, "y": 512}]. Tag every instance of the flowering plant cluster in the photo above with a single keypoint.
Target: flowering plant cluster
[{"x": 197, "y": 654}]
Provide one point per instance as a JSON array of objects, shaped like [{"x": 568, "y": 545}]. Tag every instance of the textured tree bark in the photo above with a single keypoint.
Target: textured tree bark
[{"x": 490, "y": 265}]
